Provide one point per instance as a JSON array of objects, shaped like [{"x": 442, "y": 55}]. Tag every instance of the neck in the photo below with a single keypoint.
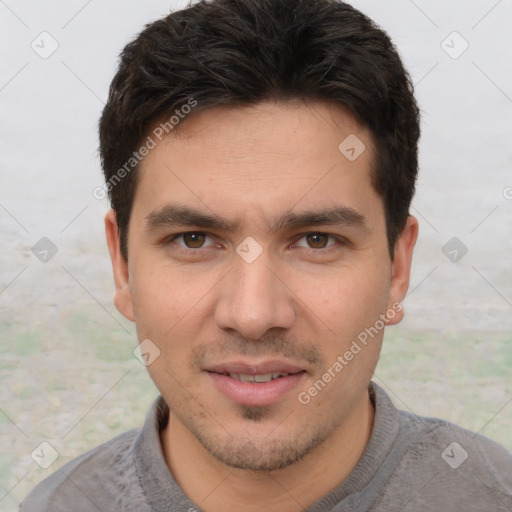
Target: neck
[{"x": 215, "y": 486}]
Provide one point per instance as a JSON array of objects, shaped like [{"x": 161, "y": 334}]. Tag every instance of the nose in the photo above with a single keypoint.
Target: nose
[{"x": 253, "y": 299}]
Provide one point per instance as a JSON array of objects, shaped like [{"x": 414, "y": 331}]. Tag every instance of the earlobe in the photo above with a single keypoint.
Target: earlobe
[
  {"x": 401, "y": 268},
  {"x": 122, "y": 296}
]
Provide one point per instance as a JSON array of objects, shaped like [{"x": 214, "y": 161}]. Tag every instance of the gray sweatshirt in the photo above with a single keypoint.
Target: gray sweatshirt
[{"x": 411, "y": 464}]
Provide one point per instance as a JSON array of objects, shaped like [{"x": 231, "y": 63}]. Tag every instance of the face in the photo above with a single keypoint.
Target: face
[{"x": 257, "y": 258}]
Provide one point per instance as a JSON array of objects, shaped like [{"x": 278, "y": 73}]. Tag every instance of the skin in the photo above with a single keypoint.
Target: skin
[{"x": 303, "y": 299}]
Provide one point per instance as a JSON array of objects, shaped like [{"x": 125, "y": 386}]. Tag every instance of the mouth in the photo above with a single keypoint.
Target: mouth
[
  {"x": 255, "y": 384},
  {"x": 264, "y": 377}
]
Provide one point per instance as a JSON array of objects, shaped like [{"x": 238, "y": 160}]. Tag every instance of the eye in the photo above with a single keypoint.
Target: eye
[
  {"x": 192, "y": 240},
  {"x": 316, "y": 241}
]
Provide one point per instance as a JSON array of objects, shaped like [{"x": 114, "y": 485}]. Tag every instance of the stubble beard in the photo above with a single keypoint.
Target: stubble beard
[{"x": 266, "y": 455}]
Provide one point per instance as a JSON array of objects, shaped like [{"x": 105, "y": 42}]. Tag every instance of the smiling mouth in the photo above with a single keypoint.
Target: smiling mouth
[
  {"x": 259, "y": 378},
  {"x": 255, "y": 388}
]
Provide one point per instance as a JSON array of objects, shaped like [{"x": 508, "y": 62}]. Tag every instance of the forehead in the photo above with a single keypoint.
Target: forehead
[
  {"x": 261, "y": 160},
  {"x": 287, "y": 130}
]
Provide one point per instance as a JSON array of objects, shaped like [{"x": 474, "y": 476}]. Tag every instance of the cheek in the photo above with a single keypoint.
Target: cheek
[
  {"x": 170, "y": 306},
  {"x": 170, "y": 314},
  {"x": 346, "y": 301},
  {"x": 157, "y": 301}
]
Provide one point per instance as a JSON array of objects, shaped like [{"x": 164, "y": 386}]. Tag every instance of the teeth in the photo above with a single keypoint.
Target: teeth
[{"x": 266, "y": 377}]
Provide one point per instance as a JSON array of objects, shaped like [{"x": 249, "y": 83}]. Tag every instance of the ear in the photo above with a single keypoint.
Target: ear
[
  {"x": 123, "y": 296},
  {"x": 401, "y": 268}
]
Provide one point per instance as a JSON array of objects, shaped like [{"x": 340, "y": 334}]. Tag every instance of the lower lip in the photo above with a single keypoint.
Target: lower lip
[{"x": 255, "y": 394}]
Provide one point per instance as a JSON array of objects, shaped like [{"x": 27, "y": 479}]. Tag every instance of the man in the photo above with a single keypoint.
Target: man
[{"x": 261, "y": 157}]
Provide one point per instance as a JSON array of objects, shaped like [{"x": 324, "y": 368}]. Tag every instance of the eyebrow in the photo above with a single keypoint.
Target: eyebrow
[
  {"x": 185, "y": 216},
  {"x": 340, "y": 215}
]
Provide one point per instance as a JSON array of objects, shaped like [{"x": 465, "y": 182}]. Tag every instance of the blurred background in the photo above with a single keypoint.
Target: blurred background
[{"x": 69, "y": 377}]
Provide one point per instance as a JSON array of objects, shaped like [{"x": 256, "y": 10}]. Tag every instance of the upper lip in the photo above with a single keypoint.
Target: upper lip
[{"x": 262, "y": 368}]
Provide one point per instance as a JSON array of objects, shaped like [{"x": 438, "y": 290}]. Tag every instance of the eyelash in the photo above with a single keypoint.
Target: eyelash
[{"x": 340, "y": 240}]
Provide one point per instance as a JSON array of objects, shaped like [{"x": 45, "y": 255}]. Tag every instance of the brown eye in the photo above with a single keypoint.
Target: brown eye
[
  {"x": 317, "y": 240},
  {"x": 194, "y": 240}
]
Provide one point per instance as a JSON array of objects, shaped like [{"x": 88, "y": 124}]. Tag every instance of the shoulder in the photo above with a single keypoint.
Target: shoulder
[
  {"x": 442, "y": 465},
  {"x": 97, "y": 478},
  {"x": 457, "y": 444}
]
